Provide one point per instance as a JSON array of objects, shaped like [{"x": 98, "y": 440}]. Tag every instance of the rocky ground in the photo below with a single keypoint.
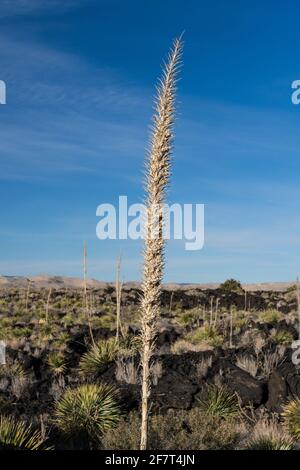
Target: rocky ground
[{"x": 234, "y": 339}]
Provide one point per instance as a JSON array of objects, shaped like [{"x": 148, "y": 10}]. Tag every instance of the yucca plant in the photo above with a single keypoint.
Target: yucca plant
[
  {"x": 158, "y": 169},
  {"x": 94, "y": 362},
  {"x": 219, "y": 401},
  {"x": 57, "y": 362},
  {"x": 84, "y": 413},
  {"x": 18, "y": 435},
  {"x": 291, "y": 415},
  {"x": 13, "y": 370}
]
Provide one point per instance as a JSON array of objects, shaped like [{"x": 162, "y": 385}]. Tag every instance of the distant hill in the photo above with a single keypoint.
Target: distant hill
[{"x": 61, "y": 282}]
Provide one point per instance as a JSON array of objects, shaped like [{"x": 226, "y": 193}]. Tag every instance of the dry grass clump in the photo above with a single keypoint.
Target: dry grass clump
[
  {"x": 270, "y": 361},
  {"x": 203, "y": 367},
  {"x": 248, "y": 364},
  {"x": 182, "y": 345},
  {"x": 127, "y": 370},
  {"x": 269, "y": 435}
]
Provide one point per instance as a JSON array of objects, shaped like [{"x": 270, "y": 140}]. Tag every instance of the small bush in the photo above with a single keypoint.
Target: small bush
[
  {"x": 207, "y": 335},
  {"x": 179, "y": 430},
  {"x": 188, "y": 318},
  {"x": 283, "y": 337},
  {"x": 219, "y": 401},
  {"x": 84, "y": 413},
  {"x": 231, "y": 285},
  {"x": 271, "y": 316},
  {"x": 269, "y": 436},
  {"x": 291, "y": 415}
]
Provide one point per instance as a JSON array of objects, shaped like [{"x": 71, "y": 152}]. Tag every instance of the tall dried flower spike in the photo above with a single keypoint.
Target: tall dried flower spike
[{"x": 158, "y": 170}]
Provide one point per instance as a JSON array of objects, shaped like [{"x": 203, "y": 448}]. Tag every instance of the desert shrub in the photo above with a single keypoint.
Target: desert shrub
[
  {"x": 188, "y": 318},
  {"x": 240, "y": 319},
  {"x": 269, "y": 436},
  {"x": 207, "y": 335},
  {"x": 94, "y": 362},
  {"x": 291, "y": 415},
  {"x": 271, "y": 316},
  {"x": 86, "y": 412},
  {"x": 283, "y": 337},
  {"x": 56, "y": 362},
  {"x": 182, "y": 345},
  {"x": 107, "y": 320},
  {"x": 180, "y": 430},
  {"x": 231, "y": 285},
  {"x": 17, "y": 435},
  {"x": 219, "y": 401}
]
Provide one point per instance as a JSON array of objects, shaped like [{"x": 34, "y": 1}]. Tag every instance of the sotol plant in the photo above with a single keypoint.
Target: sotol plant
[
  {"x": 158, "y": 169},
  {"x": 291, "y": 414},
  {"x": 84, "y": 413},
  {"x": 18, "y": 435}
]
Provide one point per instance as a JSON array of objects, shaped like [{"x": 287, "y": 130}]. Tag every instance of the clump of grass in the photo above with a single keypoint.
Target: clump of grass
[
  {"x": 291, "y": 415},
  {"x": 271, "y": 316},
  {"x": 94, "y": 362},
  {"x": 206, "y": 335},
  {"x": 219, "y": 401},
  {"x": 188, "y": 318},
  {"x": 269, "y": 436},
  {"x": 57, "y": 362},
  {"x": 86, "y": 412},
  {"x": 283, "y": 337},
  {"x": 18, "y": 435}
]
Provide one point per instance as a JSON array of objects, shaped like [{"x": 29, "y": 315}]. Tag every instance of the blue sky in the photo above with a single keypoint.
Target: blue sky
[{"x": 80, "y": 78}]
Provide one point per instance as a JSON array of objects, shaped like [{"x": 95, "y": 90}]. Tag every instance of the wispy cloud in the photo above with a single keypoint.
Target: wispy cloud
[{"x": 27, "y": 7}]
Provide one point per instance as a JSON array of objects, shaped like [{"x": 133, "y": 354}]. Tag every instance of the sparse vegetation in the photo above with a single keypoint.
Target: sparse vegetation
[{"x": 56, "y": 357}]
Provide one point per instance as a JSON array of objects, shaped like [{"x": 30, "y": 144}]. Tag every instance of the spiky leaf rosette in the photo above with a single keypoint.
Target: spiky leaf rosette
[
  {"x": 18, "y": 435},
  {"x": 291, "y": 415},
  {"x": 86, "y": 412}
]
